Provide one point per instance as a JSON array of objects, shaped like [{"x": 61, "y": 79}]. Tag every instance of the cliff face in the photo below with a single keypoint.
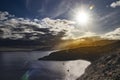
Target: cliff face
[{"x": 106, "y": 68}]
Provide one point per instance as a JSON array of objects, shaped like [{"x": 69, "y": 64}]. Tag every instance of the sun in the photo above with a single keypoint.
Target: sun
[{"x": 82, "y": 17}]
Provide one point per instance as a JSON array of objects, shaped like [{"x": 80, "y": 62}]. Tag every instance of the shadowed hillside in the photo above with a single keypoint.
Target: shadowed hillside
[{"x": 89, "y": 53}]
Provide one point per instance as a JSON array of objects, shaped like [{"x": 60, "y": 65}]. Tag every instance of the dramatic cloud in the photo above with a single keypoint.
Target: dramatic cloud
[
  {"x": 18, "y": 28},
  {"x": 114, "y": 35},
  {"x": 45, "y": 29},
  {"x": 21, "y": 28},
  {"x": 115, "y": 4}
]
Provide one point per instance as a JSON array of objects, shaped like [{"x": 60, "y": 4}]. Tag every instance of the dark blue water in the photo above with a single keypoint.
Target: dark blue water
[{"x": 25, "y": 66}]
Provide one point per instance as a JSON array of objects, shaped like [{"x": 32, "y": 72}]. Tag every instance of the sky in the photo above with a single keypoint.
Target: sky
[{"x": 60, "y": 16}]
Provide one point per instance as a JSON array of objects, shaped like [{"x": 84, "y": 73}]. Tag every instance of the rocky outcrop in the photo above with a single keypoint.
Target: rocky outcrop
[{"x": 106, "y": 68}]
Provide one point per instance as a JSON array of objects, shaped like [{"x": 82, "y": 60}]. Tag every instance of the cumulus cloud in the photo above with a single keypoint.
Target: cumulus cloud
[
  {"x": 3, "y": 15},
  {"x": 115, "y": 4},
  {"x": 21, "y": 28},
  {"x": 114, "y": 35},
  {"x": 44, "y": 29}
]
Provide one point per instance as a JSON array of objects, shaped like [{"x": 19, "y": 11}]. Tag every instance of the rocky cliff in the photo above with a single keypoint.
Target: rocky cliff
[{"x": 106, "y": 68}]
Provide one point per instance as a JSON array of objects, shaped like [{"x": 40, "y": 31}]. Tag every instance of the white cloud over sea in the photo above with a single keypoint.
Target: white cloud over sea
[
  {"x": 18, "y": 28},
  {"x": 23, "y": 28},
  {"x": 115, "y": 4},
  {"x": 113, "y": 35}
]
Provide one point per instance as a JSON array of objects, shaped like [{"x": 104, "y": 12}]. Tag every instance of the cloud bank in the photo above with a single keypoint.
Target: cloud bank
[
  {"x": 113, "y": 35},
  {"x": 46, "y": 28},
  {"x": 21, "y": 28},
  {"x": 115, "y": 4},
  {"x": 15, "y": 28}
]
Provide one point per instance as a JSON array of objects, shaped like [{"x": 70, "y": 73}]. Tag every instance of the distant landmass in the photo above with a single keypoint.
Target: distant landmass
[{"x": 23, "y": 45}]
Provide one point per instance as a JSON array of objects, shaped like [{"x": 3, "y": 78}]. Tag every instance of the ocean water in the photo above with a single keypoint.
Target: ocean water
[{"x": 26, "y": 66}]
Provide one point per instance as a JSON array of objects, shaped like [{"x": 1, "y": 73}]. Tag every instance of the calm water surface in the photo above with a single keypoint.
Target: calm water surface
[{"x": 25, "y": 66}]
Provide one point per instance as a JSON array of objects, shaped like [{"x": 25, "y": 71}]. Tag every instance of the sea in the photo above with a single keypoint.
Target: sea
[{"x": 26, "y": 66}]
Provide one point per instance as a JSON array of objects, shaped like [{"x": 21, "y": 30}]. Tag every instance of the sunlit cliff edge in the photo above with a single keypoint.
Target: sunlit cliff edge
[{"x": 89, "y": 49}]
